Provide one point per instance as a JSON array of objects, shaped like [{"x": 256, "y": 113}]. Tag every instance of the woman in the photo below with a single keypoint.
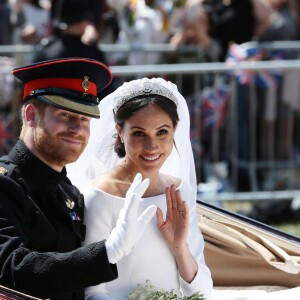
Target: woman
[{"x": 144, "y": 128}]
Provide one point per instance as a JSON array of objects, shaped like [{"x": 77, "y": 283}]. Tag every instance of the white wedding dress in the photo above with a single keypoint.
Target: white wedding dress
[{"x": 151, "y": 259}]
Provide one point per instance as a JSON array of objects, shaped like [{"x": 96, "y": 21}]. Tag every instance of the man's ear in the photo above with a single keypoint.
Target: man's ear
[{"x": 30, "y": 115}]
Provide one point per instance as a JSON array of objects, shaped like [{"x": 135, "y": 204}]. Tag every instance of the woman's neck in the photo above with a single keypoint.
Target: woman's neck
[{"x": 156, "y": 186}]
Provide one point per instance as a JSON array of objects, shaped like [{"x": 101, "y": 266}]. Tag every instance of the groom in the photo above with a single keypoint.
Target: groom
[{"x": 41, "y": 212}]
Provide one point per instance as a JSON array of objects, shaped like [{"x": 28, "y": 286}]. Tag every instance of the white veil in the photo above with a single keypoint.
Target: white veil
[{"x": 100, "y": 156}]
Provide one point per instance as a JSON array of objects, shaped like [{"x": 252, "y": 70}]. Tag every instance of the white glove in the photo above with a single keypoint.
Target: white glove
[{"x": 129, "y": 226}]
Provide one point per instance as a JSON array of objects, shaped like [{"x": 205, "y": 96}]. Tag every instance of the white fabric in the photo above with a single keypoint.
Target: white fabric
[
  {"x": 101, "y": 215},
  {"x": 130, "y": 226},
  {"x": 151, "y": 259}
]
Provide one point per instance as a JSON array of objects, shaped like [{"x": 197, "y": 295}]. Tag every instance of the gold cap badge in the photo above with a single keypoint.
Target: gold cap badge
[{"x": 85, "y": 83}]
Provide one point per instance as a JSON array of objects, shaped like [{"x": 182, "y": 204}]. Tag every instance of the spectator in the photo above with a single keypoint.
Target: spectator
[
  {"x": 139, "y": 24},
  {"x": 195, "y": 32},
  {"x": 71, "y": 20},
  {"x": 94, "y": 11},
  {"x": 110, "y": 29},
  {"x": 283, "y": 21},
  {"x": 5, "y": 23},
  {"x": 31, "y": 20},
  {"x": 236, "y": 20}
]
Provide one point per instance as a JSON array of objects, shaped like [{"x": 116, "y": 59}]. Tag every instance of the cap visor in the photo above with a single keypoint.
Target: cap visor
[{"x": 69, "y": 105}]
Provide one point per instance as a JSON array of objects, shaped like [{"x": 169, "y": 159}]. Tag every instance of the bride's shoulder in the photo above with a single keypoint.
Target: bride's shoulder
[
  {"x": 169, "y": 179},
  {"x": 109, "y": 183}
]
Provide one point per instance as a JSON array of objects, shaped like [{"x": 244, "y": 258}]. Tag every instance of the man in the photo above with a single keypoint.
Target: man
[
  {"x": 74, "y": 35},
  {"x": 41, "y": 212}
]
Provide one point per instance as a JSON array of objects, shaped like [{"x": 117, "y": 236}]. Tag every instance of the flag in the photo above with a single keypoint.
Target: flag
[
  {"x": 252, "y": 52},
  {"x": 214, "y": 104}
]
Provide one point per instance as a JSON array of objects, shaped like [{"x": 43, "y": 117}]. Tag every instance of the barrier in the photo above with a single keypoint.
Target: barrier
[{"x": 244, "y": 136}]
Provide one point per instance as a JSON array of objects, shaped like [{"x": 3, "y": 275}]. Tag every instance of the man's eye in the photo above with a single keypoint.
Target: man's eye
[{"x": 85, "y": 119}]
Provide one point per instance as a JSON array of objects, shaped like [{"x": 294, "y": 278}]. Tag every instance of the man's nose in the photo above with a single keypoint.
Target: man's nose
[{"x": 76, "y": 125}]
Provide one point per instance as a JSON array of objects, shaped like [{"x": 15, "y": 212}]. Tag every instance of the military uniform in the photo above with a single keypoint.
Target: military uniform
[
  {"x": 41, "y": 231},
  {"x": 41, "y": 212}
]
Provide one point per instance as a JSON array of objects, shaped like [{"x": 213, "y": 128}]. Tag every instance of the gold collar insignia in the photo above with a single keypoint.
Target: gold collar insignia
[
  {"x": 70, "y": 204},
  {"x": 3, "y": 171}
]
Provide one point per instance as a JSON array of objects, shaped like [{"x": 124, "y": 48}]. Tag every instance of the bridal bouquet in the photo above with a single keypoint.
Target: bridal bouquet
[{"x": 149, "y": 292}]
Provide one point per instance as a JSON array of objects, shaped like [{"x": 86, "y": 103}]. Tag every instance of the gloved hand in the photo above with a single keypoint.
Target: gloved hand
[{"x": 129, "y": 226}]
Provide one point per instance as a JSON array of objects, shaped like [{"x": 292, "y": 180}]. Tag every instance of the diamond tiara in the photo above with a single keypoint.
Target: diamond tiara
[{"x": 142, "y": 87}]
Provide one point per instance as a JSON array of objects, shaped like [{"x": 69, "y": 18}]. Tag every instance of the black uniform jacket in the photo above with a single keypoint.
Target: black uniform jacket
[{"x": 41, "y": 230}]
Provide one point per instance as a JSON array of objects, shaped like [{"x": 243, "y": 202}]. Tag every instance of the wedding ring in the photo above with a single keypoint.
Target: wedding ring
[{"x": 181, "y": 211}]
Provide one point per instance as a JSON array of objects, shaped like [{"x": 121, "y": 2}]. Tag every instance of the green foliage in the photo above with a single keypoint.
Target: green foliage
[{"x": 149, "y": 292}]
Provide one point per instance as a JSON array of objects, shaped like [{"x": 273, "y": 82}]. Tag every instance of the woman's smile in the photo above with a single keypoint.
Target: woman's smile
[{"x": 151, "y": 158}]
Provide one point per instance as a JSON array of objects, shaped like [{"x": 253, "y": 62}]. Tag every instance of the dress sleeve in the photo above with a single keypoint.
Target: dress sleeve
[
  {"x": 202, "y": 282},
  {"x": 99, "y": 215}
]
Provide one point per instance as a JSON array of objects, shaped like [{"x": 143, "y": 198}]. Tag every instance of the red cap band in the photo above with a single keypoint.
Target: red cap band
[{"x": 64, "y": 83}]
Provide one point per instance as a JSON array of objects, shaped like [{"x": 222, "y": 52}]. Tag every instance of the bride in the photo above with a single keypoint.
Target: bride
[{"x": 144, "y": 128}]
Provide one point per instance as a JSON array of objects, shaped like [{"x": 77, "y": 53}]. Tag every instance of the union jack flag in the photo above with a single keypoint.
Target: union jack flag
[
  {"x": 252, "y": 52},
  {"x": 214, "y": 104},
  {"x": 7, "y": 132}
]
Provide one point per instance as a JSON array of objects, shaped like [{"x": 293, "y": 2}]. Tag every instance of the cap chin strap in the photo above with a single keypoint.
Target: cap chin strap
[{"x": 81, "y": 97}]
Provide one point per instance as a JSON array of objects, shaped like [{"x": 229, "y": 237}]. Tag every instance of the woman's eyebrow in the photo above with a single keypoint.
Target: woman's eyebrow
[{"x": 142, "y": 128}]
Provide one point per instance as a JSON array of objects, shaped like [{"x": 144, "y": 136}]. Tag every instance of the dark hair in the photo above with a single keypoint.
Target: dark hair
[
  {"x": 40, "y": 105},
  {"x": 129, "y": 108}
]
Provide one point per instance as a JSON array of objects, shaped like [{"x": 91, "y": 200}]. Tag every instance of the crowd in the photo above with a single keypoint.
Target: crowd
[
  {"x": 209, "y": 24},
  {"x": 76, "y": 28}
]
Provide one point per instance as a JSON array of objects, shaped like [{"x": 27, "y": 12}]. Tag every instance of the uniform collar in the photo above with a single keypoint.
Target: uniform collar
[{"x": 34, "y": 168}]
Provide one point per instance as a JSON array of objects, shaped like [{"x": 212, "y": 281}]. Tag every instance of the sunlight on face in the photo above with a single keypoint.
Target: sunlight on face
[
  {"x": 148, "y": 138},
  {"x": 60, "y": 136}
]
